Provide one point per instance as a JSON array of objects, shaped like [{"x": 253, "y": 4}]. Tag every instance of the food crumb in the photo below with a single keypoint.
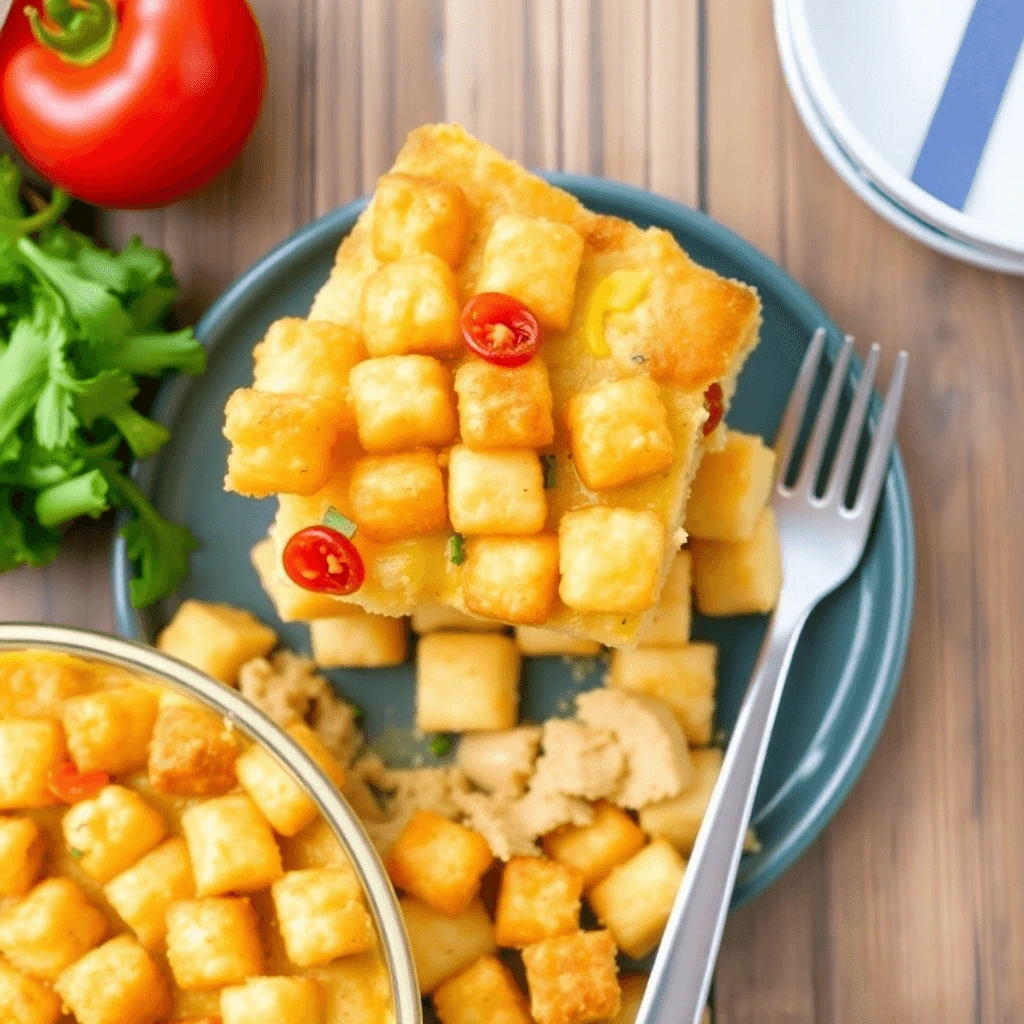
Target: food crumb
[
  {"x": 289, "y": 689},
  {"x": 580, "y": 668}
]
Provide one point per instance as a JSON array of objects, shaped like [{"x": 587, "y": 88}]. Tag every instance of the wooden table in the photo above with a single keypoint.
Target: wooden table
[{"x": 909, "y": 907}]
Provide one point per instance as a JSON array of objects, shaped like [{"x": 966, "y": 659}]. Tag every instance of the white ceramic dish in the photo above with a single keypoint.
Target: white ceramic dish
[
  {"x": 834, "y": 153},
  {"x": 874, "y": 70}
]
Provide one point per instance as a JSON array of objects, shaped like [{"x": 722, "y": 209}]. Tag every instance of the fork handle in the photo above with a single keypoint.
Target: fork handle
[{"x": 680, "y": 980}]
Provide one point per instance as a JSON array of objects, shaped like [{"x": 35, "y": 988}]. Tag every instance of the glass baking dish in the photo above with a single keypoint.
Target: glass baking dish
[{"x": 258, "y": 729}]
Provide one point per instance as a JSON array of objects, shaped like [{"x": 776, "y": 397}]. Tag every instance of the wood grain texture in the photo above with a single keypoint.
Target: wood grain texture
[
  {"x": 908, "y": 907},
  {"x": 581, "y": 86},
  {"x": 674, "y": 99},
  {"x": 759, "y": 978},
  {"x": 484, "y": 70},
  {"x": 625, "y": 65}
]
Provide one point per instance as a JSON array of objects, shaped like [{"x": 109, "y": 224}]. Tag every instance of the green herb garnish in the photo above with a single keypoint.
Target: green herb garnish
[
  {"x": 548, "y": 462},
  {"x": 340, "y": 522},
  {"x": 78, "y": 325},
  {"x": 456, "y": 555},
  {"x": 76, "y": 853},
  {"x": 440, "y": 745}
]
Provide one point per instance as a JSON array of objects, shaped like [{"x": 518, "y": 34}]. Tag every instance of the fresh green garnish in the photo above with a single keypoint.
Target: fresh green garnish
[
  {"x": 77, "y": 854},
  {"x": 84, "y": 495},
  {"x": 455, "y": 553},
  {"x": 548, "y": 463},
  {"x": 158, "y": 549},
  {"x": 340, "y": 522},
  {"x": 78, "y": 326},
  {"x": 440, "y": 745}
]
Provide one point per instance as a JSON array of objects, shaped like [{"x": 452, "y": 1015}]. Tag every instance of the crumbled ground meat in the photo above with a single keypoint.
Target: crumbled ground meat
[
  {"x": 405, "y": 792},
  {"x": 625, "y": 748},
  {"x": 578, "y": 761},
  {"x": 334, "y": 721},
  {"x": 541, "y": 811},
  {"x": 510, "y": 824},
  {"x": 290, "y": 689},
  {"x": 621, "y": 747},
  {"x": 500, "y": 762},
  {"x": 498, "y": 819},
  {"x": 282, "y": 685},
  {"x": 657, "y": 759},
  {"x": 415, "y": 789}
]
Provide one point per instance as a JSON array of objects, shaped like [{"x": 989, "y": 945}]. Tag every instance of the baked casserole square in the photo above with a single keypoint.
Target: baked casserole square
[{"x": 607, "y": 416}]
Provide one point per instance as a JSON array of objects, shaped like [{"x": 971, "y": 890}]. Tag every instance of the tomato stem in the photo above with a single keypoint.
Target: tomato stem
[{"x": 86, "y": 30}]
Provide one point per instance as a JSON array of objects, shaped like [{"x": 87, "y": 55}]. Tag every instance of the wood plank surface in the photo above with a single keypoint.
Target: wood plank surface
[
  {"x": 768, "y": 962},
  {"x": 908, "y": 908}
]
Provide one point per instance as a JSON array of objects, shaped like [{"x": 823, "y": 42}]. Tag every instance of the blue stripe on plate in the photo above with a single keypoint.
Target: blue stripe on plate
[{"x": 952, "y": 149}]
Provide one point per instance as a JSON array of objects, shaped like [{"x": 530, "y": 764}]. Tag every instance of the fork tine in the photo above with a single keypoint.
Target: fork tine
[
  {"x": 789, "y": 429},
  {"x": 824, "y": 420},
  {"x": 877, "y": 467},
  {"x": 839, "y": 476}
]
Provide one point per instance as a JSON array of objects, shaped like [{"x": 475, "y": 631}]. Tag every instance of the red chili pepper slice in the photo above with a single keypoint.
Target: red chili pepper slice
[
  {"x": 500, "y": 329},
  {"x": 321, "y": 559},
  {"x": 714, "y": 402},
  {"x": 69, "y": 785}
]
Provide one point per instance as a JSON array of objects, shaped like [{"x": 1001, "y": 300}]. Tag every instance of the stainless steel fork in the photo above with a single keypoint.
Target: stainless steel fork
[{"x": 822, "y": 541}]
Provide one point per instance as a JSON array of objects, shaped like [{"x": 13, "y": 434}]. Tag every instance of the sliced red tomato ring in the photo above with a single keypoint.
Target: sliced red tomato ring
[
  {"x": 714, "y": 402},
  {"x": 69, "y": 785},
  {"x": 323, "y": 560},
  {"x": 500, "y": 329}
]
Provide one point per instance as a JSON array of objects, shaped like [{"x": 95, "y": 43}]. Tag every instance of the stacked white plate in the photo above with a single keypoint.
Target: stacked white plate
[{"x": 919, "y": 106}]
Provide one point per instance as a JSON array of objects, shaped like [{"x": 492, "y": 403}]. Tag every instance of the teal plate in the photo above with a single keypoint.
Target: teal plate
[{"x": 847, "y": 666}]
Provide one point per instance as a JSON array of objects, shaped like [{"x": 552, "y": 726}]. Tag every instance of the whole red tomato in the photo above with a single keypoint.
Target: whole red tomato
[{"x": 131, "y": 103}]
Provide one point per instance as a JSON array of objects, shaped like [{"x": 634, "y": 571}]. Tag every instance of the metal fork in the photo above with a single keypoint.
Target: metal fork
[{"x": 822, "y": 542}]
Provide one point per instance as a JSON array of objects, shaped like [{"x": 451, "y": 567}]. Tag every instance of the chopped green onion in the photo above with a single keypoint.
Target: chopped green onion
[
  {"x": 455, "y": 553},
  {"x": 548, "y": 462},
  {"x": 336, "y": 521},
  {"x": 77, "y": 854},
  {"x": 440, "y": 745},
  {"x": 357, "y": 713}
]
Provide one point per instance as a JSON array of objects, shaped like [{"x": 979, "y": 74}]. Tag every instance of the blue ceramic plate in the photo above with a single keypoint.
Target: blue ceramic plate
[{"x": 847, "y": 667}]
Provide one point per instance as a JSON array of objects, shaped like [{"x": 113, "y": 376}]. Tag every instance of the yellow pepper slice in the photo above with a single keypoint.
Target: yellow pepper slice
[{"x": 619, "y": 292}]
